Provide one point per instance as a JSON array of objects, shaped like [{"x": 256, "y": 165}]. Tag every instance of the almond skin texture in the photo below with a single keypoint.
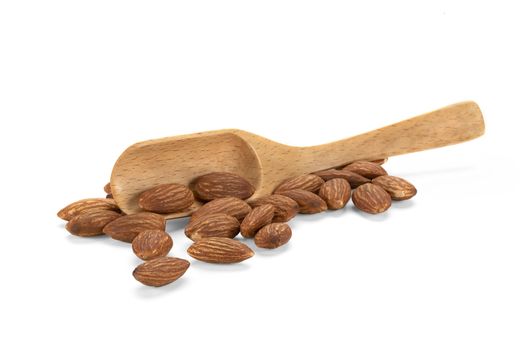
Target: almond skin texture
[
  {"x": 167, "y": 198},
  {"x": 308, "y": 182},
  {"x": 354, "y": 179},
  {"x": 219, "y": 185},
  {"x": 152, "y": 244},
  {"x": 369, "y": 170},
  {"x": 285, "y": 207},
  {"x": 161, "y": 271},
  {"x": 214, "y": 225},
  {"x": 336, "y": 193},
  {"x": 128, "y": 227},
  {"x": 220, "y": 250},
  {"x": 273, "y": 235},
  {"x": 91, "y": 223},
  {"x": 309, "y": 203},
  {"x": 398, "y": 188},
  {"x": 257, "y": 218},
  {"x": 230, "y": 205},
  {"x": 85, "y": 205},
  {"x": 371, "y": 198}
]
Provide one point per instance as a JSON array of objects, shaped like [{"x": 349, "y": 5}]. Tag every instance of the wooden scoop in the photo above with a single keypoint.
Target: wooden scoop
[{"x": 266, "y": 163}]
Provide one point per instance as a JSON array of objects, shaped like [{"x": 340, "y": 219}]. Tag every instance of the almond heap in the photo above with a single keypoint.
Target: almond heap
[{"x": 225, "y": 212}]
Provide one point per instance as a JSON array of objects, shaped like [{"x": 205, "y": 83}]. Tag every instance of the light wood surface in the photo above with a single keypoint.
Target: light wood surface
[{"x": 266, "y": 163}]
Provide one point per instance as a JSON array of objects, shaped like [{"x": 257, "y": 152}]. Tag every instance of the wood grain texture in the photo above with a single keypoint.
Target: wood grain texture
[{"x": 265, "y": 163}]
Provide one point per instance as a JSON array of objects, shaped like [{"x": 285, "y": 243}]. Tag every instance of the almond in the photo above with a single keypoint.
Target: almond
[
  {"x": 219, "y": 185},
  {"x": 308, "y": 182},
  {"x": 257, "y": 218},
  {"x": 126, "y": 228},
  {"x": 220, "y": 250},
  {"x": 161, "y": 271},
  {"x": 85, "y": 205},
  {"x": 354, "y": 179},
  {"x": 167, "y": 198},
  {"x": 380, "y": 161},
  {"x": 371, "y": 198},
  {"x": 229, "y": 205},
  {"x": 309, "y": 203},
  {"x": 273, "y": 235},
  {"x": 107, "y": 188},
  {"x": 335, "y": 192},
  {"x": 285, "y": 207},
  {"x": 91, "y": 223},
  {"x": 367, "y": 169},
  {"x": 214, "y": 225},
  {"x": 398, "y": 188},
  {"x": 152, "y": 244}
]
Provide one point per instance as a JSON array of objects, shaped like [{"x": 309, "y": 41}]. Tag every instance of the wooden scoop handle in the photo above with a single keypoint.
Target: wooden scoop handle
[{"x": 447, "y": 126}]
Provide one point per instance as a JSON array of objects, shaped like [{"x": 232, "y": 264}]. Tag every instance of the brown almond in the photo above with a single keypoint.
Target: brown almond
[
  {"x": 257, "y": 218},
  {"x": 398, "y": 188},
  {"x": 308, "y": 182},
  {"x": 220, "y": 184},
  {"x": 220, "y": 250},
  {"x": 369, "y": 170},
  {"x": 126, "y": 228},
  {"x": 354, "y": 179},
  {"x": 229, "y": 205},
  {"x": 285, "y": 207},
  {"x": 371, "y": 198},
  {"x": 152, "y": 244},
  {"x": 89, "y": 204},
  {"x": 273, "y": 235},
  {"x": 214, "y": 225},
  {"x": 380, "y": 161},
  {"x": 166, "y": 198},
  {"x": 309, "y": 203},
  {"x": 161, "y": 271},
  {"x": 107, "y": 188},
  {"x": 91, "y": 223},
  {"x": 336, "y": 193}
]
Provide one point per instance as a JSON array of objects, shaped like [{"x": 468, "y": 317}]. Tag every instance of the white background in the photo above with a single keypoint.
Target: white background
[{"x": 82, "y": 80}]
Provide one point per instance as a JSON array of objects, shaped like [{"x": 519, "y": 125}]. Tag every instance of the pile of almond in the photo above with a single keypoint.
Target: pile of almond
[{"x": 226, "y": 212}]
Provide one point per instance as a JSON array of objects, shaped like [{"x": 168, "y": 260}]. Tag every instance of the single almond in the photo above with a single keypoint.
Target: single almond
[
  {"x": 213, "y": 225},
  {"x": 91, "y": 223},
  {"x": 371, "y": 198},
  {"x": 380, "y": 161},
  {"x": 89, "y": 204},
  {"x": 308, "y": 182},
  {"x": 285, "y": 207},
  {"x": 166, "y": 198},
  {"x": 161, "y": 271},
  {"x": 220, "y": 184},
  {"x": 309, "y": 203},
  {"x": 273, "y": 235},
  {"x": 257, "y": 218},
  {"x": 336, "y": 193},
  {"x": 126, "y": 228},
  {"x": 220, "y": 250},
  {"x": 354, "y": 179},
  {"x": 229, "y": 205},
  {"x": 152, "y": 244},
  {"x": 398, "y": 188},
  {"x": 107, "y": 188},
  {"x": 369, "y": 170}
]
